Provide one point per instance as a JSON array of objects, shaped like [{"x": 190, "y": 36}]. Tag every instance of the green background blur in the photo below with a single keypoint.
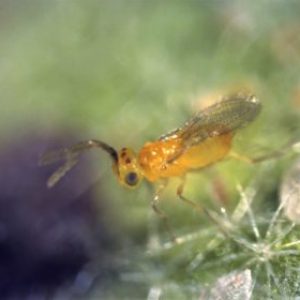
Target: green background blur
[{"x": 126, "y": 72}]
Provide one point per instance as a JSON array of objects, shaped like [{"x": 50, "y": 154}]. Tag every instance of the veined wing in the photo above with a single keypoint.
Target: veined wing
[{"x": 230, "y": 114}]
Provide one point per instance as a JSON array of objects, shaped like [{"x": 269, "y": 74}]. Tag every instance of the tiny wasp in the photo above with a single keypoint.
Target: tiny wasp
[{"x": 203, "y": 140}]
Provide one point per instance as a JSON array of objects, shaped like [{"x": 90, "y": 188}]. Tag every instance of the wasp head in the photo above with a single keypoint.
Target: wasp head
[{"x": 128, "y": 169}]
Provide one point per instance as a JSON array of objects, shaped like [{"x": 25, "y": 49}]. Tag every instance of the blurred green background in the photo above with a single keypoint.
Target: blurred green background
[{"x": 126, "y": 72}]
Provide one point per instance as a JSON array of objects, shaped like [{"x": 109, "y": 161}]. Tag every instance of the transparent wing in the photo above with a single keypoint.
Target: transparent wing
[
  {"x": 230, "y": 114},
  {"x": 226, "y": 116},
  {"x": 70, "y": 156}
]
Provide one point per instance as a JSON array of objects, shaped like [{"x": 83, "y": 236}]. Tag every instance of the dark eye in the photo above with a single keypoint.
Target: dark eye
[{"x": 131, "y": 178}]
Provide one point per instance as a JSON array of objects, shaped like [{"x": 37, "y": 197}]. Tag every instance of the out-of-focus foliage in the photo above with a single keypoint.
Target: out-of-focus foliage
[
  {"x": 235, "y": 285},
  {"x": 127, "y": 72},
  {"x": 290, "y": 193}
]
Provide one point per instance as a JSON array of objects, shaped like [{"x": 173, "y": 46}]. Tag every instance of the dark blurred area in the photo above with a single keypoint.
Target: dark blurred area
[{"x": 49, "y": 236}]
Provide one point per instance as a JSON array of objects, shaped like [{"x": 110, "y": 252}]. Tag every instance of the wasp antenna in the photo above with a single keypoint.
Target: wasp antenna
[
  {"x": 61, "y": 172},
  {"x": 51, "y": 157},
  {"x": 71, "y": 155},
  {"x": 99, "y": 144}
]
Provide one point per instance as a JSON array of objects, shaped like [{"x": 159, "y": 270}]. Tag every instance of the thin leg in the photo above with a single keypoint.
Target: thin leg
[
  {"x": 272, "y": 155},
  {"x": 255, "y": 160},
  {"x": 237, "y": 156},
  {"x": 159, "y": 212},
  {"x": 180, "y": 189},
  {"x": 198, "y": 207}
]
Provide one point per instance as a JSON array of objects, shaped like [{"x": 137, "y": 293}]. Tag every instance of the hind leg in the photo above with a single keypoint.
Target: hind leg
[
  {"x": 291, "y": 145},
  {"x": 201, "y": 209},
  {"x": 191, "y": 203}
]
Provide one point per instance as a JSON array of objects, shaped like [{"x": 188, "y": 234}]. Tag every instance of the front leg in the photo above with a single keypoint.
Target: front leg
[{"x": 159, "y": 212}]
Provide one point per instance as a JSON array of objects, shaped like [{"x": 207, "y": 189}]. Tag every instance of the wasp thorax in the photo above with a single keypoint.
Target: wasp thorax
[{"x": 129, "y": 171}]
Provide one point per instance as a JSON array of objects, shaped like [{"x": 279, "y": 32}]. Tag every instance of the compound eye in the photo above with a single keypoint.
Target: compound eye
[{"x": 131, "y": 178}]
